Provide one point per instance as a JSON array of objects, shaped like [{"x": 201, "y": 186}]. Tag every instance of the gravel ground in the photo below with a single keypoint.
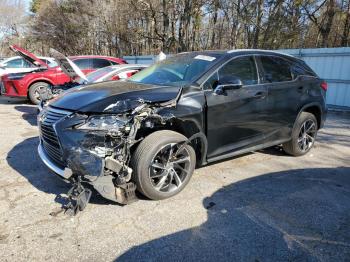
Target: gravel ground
[{"x": 264, "y": 206}]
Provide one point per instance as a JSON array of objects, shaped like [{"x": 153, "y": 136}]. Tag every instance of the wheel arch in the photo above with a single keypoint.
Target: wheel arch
[
  {"x": 191, "y": 130},
  {"x": 315, "y": 109}
]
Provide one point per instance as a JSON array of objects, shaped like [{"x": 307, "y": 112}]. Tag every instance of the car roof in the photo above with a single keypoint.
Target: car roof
[
  {"x": 233, "y": 52},
  {"x": 258, "y": 51},
  {"x": 93, "y": 56}
]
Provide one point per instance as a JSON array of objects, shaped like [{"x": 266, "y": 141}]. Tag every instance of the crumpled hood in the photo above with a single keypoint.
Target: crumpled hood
[{"x": 101, "y": 97}]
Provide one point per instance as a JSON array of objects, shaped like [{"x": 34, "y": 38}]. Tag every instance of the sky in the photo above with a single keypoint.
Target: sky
[{"x": 27, "y": 3}]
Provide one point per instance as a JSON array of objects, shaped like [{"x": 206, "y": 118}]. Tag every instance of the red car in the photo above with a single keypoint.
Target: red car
[{"x": 30, "y": 83}]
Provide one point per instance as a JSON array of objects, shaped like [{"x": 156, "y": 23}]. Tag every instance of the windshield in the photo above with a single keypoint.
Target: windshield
[
  {"x": 177, "y": 70},
  {"x": 94, "y": 76}
]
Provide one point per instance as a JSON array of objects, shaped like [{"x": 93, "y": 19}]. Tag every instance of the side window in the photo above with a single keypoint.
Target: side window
[
  {"x": 243, "y": 68},
  {"x": 275, "y": 69},
  {"x": 26, "y": 64},
  {"x": 212, "y": 82},
  {"x": 84, "y": 63},
  {"x": 15, "y": 63},
  {"x": 300, "y": 70},
  {"x": 99, "y": 63}
]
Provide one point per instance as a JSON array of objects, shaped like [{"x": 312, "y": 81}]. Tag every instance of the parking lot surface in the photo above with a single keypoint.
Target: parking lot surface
[{"x": 263, "y": 206}]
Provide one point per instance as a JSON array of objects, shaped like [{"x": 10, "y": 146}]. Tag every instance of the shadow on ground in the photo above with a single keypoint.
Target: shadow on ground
[
  {"x": 26, "y": 161},
  {"x": 29, "y": 113},
  {"x": 295, "y": 215},
  {"x": 13, "y": 100}
]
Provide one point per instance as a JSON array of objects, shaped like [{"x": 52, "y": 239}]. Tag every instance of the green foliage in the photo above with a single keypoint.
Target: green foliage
[{"x": 35, "y": 5}]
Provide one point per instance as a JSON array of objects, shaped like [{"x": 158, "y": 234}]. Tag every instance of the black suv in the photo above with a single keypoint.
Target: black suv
[{"x": 149, "y": 132}]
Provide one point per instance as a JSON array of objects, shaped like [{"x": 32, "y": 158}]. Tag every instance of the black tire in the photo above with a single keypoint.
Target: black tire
[
  {"x": 34, "y": 91},
  {"x": 294, "y": 147},
  {"x": 146, "y": 153}
]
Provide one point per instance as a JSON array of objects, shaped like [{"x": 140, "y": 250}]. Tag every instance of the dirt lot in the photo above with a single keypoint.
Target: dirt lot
[{"x": 263, "y": 206}]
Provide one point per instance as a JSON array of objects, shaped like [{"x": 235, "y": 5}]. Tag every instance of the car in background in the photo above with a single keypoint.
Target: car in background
[
  {"x": 116, "y": 72},
  {"x": 90, "y": 63},
  {"x": 42, "y": 76},
  {"x": 17, "y": 64},
  {"x": 110, "y": 73}
]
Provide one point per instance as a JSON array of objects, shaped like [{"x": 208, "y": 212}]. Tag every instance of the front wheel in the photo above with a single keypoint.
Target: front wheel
[
  {"x": 35, "y": 90},
  {"x": 303, "y": 135},
  {"x": 163, "y": 165}
]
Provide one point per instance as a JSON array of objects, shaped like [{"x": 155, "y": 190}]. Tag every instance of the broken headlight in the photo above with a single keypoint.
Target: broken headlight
[{"x": 103, "y": 123}]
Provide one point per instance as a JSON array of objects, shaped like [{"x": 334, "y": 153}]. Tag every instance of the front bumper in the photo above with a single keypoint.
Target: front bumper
[{"x": 63, "y": 173}]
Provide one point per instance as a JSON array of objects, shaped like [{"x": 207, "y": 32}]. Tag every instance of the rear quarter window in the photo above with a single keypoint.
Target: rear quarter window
[{"x": 301, "y": 69}]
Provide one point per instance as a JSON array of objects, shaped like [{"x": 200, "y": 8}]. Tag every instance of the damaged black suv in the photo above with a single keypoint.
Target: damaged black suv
[{"x": 149, "y": 133}]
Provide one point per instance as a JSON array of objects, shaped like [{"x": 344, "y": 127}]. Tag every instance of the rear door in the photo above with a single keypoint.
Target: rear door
[
  {"x": 236, "y": 119},
  {"x": 284, "y": 97}
]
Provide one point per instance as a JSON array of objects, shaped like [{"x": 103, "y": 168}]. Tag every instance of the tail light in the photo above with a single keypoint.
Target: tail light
[{"x": 324, "y": 86}]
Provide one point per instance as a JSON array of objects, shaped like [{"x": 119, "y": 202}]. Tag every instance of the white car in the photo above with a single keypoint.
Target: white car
[
  {"x": 115, "y": 72},
  {"x": 17, "y": 64}
]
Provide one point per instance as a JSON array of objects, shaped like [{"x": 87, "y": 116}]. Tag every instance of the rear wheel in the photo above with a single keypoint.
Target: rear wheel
[
  {"x": 35, "y": 90},
  {"x": 162, "y": 165},
  {"x": 303, "y": 135}
]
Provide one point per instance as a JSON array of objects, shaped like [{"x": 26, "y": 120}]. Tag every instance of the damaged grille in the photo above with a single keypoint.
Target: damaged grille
[{"x": 49, "y": 138}]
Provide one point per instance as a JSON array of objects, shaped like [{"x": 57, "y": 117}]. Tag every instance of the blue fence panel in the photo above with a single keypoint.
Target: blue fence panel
[{"x": 145, "y": 59}]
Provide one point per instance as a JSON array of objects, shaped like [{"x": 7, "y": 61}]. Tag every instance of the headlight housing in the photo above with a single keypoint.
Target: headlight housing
[{"x": 103, "y": 123}]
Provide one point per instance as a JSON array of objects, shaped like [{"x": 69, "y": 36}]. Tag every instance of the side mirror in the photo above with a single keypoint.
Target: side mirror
[
  {"x": 228, "y": 83},
  {"x": 2, "y": 66}
]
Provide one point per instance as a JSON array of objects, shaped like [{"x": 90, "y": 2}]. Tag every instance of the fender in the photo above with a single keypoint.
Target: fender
[
  {"x": 42, "y": 79},
  {"x": 318, "y": 105}
]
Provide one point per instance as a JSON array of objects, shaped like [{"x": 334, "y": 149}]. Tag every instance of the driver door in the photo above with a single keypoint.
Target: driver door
[{"x": 236, "y": 118}]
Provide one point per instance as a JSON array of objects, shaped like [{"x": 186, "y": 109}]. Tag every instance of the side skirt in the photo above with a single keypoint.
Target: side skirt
[{"x": 247, "y": 150}]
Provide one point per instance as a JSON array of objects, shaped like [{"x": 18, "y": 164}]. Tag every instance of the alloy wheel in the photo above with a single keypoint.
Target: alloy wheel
[
  {"x": 38, "y": 91},
  {"x": 169, "y": 168},
  {"x": 307, "y": 135}
]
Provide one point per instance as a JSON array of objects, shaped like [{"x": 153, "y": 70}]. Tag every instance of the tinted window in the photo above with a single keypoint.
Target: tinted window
[
  {"x": 15, "y": 63},
  {"x": 243, "y": 68},
  {"x": 300, "y": 70},
  {"x": 212, "y": 82},
  {"x": 275, "y": 69},
  {"x": 84, "y": 63},
  {"x": 99, "y": 63}
]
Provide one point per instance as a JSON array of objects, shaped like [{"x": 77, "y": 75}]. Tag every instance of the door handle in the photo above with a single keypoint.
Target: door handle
[
  {"x": 260, "y": 94},
  {"x": 300, "y": 89}
]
